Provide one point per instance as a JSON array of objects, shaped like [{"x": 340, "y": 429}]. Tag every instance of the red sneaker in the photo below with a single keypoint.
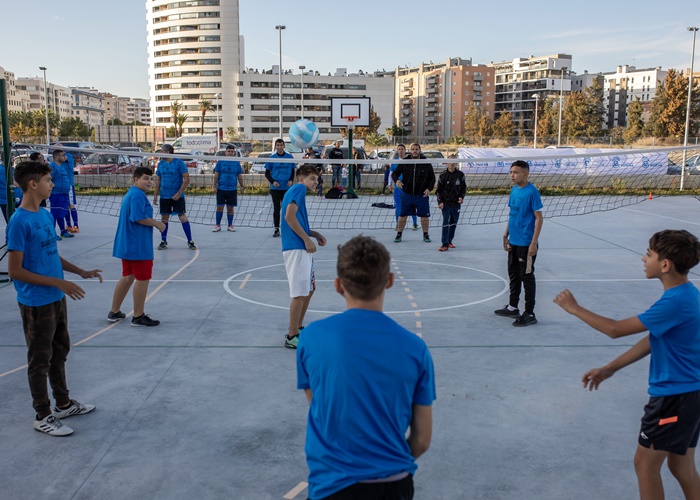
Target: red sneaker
[
  {"x": 451, "y": 245},
  {"x": 443, "y": 248}
]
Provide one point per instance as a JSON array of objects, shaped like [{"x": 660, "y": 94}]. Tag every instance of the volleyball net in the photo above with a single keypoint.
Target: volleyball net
[{"x": 571, "y": 182}]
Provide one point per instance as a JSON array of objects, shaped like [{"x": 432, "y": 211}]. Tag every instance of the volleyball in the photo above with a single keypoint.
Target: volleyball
[{"x": 303, "y": 133}]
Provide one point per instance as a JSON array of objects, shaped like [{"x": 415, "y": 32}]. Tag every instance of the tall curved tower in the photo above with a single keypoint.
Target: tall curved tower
[{"x": 194, "y": 52}]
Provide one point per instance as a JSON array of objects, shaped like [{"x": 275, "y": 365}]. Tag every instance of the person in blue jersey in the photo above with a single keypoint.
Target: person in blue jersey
[
  {"x": 520, "y": 241},
  {"x": 60, "y": 196},
  {"x": 298, "y": 249},
  {"x": 37, "y": 271},
  {"x": 133, "y": 244},
  {"x": 172, "y": 179},
  {"x": 368, "y": 380},
  {"x": 400, "y": 155},
  {"x": 671, "y": 422},
  {"x": 3, "y": 190},
  {"x": 228, "y": 174},
  {"x": 72, "y": 214},
  {"x": 281, "y": 178}
]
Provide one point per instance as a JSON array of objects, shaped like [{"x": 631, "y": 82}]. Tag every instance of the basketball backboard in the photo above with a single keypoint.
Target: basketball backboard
[{"x": 350, "y": 111}]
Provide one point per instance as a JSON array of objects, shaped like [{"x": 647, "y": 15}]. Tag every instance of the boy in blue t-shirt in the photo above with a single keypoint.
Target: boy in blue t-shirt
[
  {"x": 671, "y": 421},
  {"x": 367, "y": 380},
  {"x": 281, "y": 177},
  {"x": 520, "y": 241},
  {"x": 37, "y": 271},
  {"x": 297, "y": 250},
  {"x": 133, "y": 244},
  {"x": 60, "y": 196},
  {"x": 72, "y": 213},
  {"x": 172, "y": 178},
  {"x": 228, "y": 174}
]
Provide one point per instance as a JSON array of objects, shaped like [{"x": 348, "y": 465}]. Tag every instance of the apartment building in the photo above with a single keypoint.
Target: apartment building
[
  {"x": 17, "y": 100},
  {"x": 88, "y": 105},
  {"x": 625, "y": 84},
  {"x": 518, "y": 81},
  {"x": 115, "y": 107},
  {"x": 59, "y": 98},
  {"x": 432, "y": 99},
  {"x": 138, "y": 110}
]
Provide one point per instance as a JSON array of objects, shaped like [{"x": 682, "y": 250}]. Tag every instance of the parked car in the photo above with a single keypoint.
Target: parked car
[
  {"x": 692, "y": 166},
  {"x": 200, "y": 163},
  {"x": 360, "y": 150},
  {"x": 438, "y": 167},
  {"x": 78, "y": 156},
  {"x": 105, "y": 163},
  {"x": 25, "y": 157},
  {"x": 258, "y": 167},
  {"x": 137, "y": 160},
  {"x": 245, "y": 148}
]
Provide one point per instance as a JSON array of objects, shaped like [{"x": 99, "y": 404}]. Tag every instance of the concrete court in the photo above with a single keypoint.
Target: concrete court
[{"x": 205, "y": 405}]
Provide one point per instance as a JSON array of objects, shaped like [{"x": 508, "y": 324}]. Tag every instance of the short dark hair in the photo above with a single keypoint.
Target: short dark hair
[
  {"x": 277, "y": 141},
  {"x": 401, "y": 145},
  {"x": 56, "y": 152},
  {"x": 230, "y": 146},
  {"x": 30, "y": 171},
  {"x": 305, "y": 170},
  {"x": 168, "y": 148},
  {"x": 677, "y": 245},
  {"x": 363, "y": 267},
  {"x": 141, "y": 171},
  {"x": 521, "y": 164},
  {"x": 34, "y": 156}
]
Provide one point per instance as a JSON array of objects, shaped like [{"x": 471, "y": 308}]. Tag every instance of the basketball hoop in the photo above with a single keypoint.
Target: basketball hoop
[{"x": 351, "y": 119}]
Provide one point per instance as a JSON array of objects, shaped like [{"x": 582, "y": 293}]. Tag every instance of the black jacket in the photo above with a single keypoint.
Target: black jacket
[
  {"x": 336, "y": 154},
  {"x": 417, "y": 177},
  {"x": 451, "y": 186}
]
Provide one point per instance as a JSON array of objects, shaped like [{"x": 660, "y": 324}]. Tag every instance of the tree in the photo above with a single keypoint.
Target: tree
[
  {"x": 576, "y": 119},
  {"x": 376, "y": 139},
  {"x": 362, "y": 132},
  {"x": 503, "y": 127},
  {"x": 669, "y": 107},
  {"x": 73, "y": 127},
  {"x": 181, "y": 119},
  {"x": 594, "y": 99},
  {"x": 171, "y": 131},
  {"x": 175, "y": 108},
  {"x": 204, "y": 106},
  {"x": 471, "y": 120},
  {"x": 485, "y": 126},
  {"x": 635, "y": 124},
  {"x": 396, "y": 132},
  {"x": 547, "y": 121},
  {"x": 114, "y": 121}
]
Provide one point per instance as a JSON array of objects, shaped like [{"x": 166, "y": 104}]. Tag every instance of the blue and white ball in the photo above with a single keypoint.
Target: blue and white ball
[{"x": 303, "y": 133}]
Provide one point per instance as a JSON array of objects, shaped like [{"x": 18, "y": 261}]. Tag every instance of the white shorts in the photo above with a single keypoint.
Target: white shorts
[{"x": 300, "y": 272}]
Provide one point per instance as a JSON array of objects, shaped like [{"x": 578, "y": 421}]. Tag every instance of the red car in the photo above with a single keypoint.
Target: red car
[{"x": 105, "y": 163}]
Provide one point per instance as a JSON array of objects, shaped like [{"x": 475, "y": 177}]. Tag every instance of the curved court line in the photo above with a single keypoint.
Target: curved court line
[{"x": 505, "y": 282}]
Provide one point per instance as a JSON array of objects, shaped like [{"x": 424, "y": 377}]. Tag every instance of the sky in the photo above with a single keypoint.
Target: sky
[{"x": 102, "y": 44}]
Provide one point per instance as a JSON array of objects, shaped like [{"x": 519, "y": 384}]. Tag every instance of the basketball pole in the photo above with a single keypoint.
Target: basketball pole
[{"x": 351, "y": 168}]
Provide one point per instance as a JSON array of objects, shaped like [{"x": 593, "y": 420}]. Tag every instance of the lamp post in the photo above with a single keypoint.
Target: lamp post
[
  {"x": 302, "y": 68},
  {"x": 46, "y": 98},
  {"x": 687, "y": 109},
  {"x": 561, "y": 103},
  {"x": 218, "y": 127},
  {"x": 279, "y": 28},
  {"x": 537, "y": 101}
]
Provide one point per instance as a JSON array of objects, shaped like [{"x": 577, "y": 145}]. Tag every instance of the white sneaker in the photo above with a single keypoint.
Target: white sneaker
[
  {"x": 75, "y": 408},
  {"x": 232, "y": 229},
  {"x": 52, "y": 426},
  {"x": 216, "y": 229}
]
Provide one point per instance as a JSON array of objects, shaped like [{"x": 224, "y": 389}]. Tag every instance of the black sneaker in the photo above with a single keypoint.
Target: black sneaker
[
  {"x": 526, "y": 319},
  {"x": 191, "y": 245},
  {"x": 163, "y": 245},
  {"x": 114, "y": 317},
  {"x": 504, "y": 311},
  {"x": 276, "y": 234},
  {"x": 144, "y": 321}
]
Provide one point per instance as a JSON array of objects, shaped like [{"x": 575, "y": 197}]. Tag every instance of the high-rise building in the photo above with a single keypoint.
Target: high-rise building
[
  {"x": 138, "y": 110},
  {"x": 17, "y": 100},
  {"x": 59, "y": 98},
  {"x": 115, "y": 107},
  {"x": 625, "y": 84},
  {"x": 194, "y": 53},
  {"x": 88, "y": 106}
]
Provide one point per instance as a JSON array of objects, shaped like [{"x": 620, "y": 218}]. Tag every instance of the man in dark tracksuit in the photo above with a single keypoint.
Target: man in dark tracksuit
[
  {"x": 336, "y": 154},
  {"x": 451, "y": 189},
  {"x": 416, "y": 180}
]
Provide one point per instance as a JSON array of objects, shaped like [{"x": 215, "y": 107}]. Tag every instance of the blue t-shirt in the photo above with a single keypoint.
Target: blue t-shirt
[
  {"x": 281, "y": 172},
  {"x": 3, "y": 185},
  {"x": 365, "y": 372},
  {"x": 523, "y": 204},
  {"x": 61, "y": 179},
  {"x": 134, "y": 241},
  {"x": 228, "y": 171},
  {"x": 290, "y": 239},
  {"x": 171, "y": 175},
  {"x": 674, "y": 326},
  {"x": 33, "y": 233}
]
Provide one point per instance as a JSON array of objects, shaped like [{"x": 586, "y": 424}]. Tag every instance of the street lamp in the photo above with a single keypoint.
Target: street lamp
[
  {"x": 46, "y": 97},
  {"x": 537, "y": 101},
  {"x": 687, "y": 109},
  {"x": 279, "y": 28},
  {"x": 302, "y": 68},
  {"x": 218, "y": 127},
  {"x": 561, "y": 102}
]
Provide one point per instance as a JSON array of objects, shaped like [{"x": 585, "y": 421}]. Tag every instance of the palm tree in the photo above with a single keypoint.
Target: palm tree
[
  {"x": 175, "y": 108},
  {"x": 204, "y": 106},
  {"x": 181, "y": 119}
]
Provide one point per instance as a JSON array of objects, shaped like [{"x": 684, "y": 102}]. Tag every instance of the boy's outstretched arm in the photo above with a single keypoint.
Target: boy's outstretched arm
[
  {"x": 421, "y": 430},
  {"x": 610, "y": 327},
  {"x": 17, "y": 272},
  {"x": 593, "y": 378}
]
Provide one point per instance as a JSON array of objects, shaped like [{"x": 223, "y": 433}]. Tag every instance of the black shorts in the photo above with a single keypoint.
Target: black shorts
[
  {"x": 229, "y": 198},
  {"x": 671, "y": 423},
  {"x": 170, "y": 206}
]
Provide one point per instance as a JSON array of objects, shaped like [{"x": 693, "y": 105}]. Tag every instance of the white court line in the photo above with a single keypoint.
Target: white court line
[
  {"x": 404, "y": 282},
  {"x": 662, "y": 216},
  {"x": 14, "y": 370},
  {"x": 296, "y": 490}
]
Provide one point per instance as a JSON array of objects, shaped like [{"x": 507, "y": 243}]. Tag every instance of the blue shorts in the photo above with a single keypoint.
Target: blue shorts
[
  {"x": 59, "y": 204},
  {"x": 225, "y": 197},
  {"x": 412, "y": 204}
]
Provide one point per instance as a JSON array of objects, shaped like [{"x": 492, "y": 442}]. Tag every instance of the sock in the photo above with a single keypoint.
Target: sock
[
  {"x": 230, "y": 219},
  {"x": 67, "y": 219},
  {"x": 425, "y": 235},
  {"x": 164, "y": 234},
  {"x": 61, "y": 224},
  {"x": 188, "y": 231},
  {"x": 219, "y": 215},
  {"x": 74, "y": 216},
  {"x": 399, "y": 233}
]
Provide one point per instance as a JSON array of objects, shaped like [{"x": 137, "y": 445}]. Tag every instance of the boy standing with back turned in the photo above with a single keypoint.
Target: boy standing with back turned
[
  {"x": 520, "y": 241},
  {"x": 671, "y": 420},
  {"x": 367, "y": 380}
]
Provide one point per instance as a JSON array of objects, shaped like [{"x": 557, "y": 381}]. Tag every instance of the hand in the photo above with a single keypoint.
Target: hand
[
  {"x": 95, "y": 273},
  {"x": 276, "y": 184},
  {"x": 159, "y": 226},
  {"x": 593, "y": 378},
  {"x": 290, "y": 183},
  {"x": 460, "y": 200},
  {"x": 426, "y": 192},
  {"x": 506, "y": 243},
  {"x": 441, "y": 205},
  {"x": 566, "y": 301},
  {"x": 399, "y": 184},
  {"x": 71, "y": 289},
  {"x": 242, "y": 189},
  {"x": 321, "y": 240},
  {"x": 310, "y": 245},
  {"x": 532, "y": 251},
  {"x": 176, "y": 196}
]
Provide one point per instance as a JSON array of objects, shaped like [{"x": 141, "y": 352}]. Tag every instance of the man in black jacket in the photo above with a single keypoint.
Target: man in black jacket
[
  {"x": 336, "y": 154},
  {"x": 451, "y": 189},
  {"x": 416, "y": 180}
]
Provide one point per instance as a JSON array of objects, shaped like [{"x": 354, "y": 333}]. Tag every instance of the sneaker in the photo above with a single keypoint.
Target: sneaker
[
  {"x": 58, "y": 238},
  {"x": 415, "y": 227},
  {"x": 451, "y": 245},
  {"x": 427, "y": 239},
  {"x": 114, "y": 317},
  {"x": 504, "y": 311},
  {"x": 291, "y": 342},
  {"x": 163, "y": 245},
  {"x": 74, "y": 409},
  {"x": 144, "y": 320},
  {"x": 526, "y": 319},
  {"x": 76, "y": 229},
  {"x": 66, "y": 234},
  {"x": 69, "y": 229},
  {"x": 397, "y": 239},
  {"x": 232, "y": 229},
  {"x": 216, "y": 229},
  {"x": 52, "y": 426},
  {"x": 443, "y": 248},
  {"x": 276, "y": 234},
  {"x": 191, "y": 245}
]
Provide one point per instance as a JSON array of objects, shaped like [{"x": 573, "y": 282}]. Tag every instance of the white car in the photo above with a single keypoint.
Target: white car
[{"x": 258, "y": 167}]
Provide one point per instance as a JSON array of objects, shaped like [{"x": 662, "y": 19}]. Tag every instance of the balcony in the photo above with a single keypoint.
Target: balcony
[
  {"x": 406, "y": 101},
  {"x": 432, "y": 99},
  {"x": 431, "y": 108}
]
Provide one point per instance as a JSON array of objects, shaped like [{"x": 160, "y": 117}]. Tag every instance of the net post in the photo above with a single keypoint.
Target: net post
[{"x": 6, "y": 149}]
